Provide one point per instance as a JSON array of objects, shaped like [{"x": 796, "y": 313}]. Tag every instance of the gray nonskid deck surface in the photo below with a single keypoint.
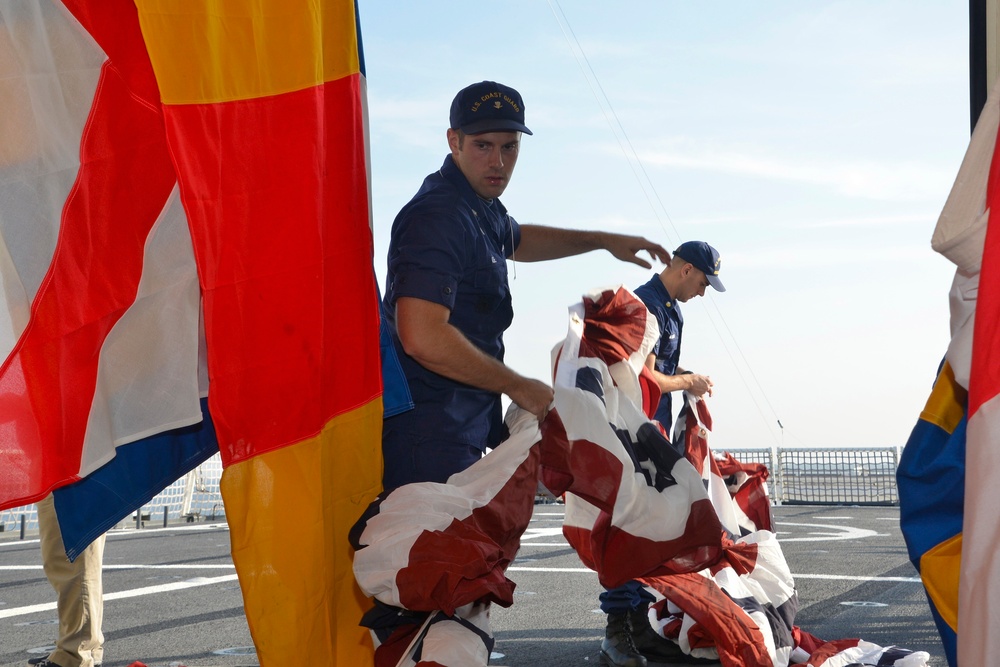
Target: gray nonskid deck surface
[{"x": 852, "y": 574}]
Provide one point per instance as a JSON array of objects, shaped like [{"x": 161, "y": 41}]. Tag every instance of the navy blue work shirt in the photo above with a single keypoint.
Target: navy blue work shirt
[
  {"x": 449, "y": 246},
  {"x": 668, "y": 348}
]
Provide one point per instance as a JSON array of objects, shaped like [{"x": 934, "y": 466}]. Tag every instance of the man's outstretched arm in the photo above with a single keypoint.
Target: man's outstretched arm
[{"x": 539, "y": 243}]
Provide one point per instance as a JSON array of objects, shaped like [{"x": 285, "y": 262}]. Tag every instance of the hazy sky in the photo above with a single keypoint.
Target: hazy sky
[{"x": 813, "y": 143}]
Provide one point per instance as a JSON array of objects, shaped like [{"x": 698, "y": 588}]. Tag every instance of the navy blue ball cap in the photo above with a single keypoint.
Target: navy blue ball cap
[
  {"x": 705, "y": 258},
  {"x": 488, "y": 106}
]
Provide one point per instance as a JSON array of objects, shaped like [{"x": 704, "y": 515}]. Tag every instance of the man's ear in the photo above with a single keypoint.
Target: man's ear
[{"x": 453, "y": 140}]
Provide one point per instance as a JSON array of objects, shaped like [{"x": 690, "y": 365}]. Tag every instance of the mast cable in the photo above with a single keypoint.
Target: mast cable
[{"x": 604, "y": 104}]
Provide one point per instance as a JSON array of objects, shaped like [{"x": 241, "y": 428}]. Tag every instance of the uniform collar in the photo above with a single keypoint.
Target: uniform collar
[
  {"x": 661, "y": 292},
  {"x": 451, "y": 173}
]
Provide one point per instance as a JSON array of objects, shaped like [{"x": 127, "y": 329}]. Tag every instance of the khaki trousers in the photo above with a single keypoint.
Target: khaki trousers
[{"x": 79, "y": 593}]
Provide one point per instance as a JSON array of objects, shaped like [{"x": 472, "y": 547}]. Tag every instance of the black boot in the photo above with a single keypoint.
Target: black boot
[
  {"x": 617, "y": 648},
  {"x": 655, "y": 648}
]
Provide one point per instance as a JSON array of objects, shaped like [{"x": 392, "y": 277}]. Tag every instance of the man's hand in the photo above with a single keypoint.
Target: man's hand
[
  {"x": 700, "y": 384},
  {"x": 532, "y": 395},
  {"x": 627, "y": 249}
]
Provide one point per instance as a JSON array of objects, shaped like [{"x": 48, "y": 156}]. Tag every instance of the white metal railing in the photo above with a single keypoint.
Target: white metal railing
[
  {"x": 194, "y": 496},
  {"x": 812, "y": 476}
]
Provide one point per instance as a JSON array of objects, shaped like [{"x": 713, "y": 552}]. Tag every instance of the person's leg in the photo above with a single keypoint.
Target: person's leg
[
  {"x": 464, "y": 638},
  {"x": 628, "y": 614},
  {"x": 630, "y": 595},
  {"x": 618, "y": 647},
  {"x": 408, "y": 459},
  {"x": 79, "y": 593}
]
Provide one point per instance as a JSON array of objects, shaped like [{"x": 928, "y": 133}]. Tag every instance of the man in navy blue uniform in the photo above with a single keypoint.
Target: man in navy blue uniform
[
  {"x": 629, "y": 637},
  {"x": 447, "y": 300},
  {"x": 696, "y": 266}
]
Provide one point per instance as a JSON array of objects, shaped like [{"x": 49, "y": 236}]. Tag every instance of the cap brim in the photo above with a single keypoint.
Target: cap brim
[
  {"x": 494, "y": 125},
  {"x": 714, "y": 281}
]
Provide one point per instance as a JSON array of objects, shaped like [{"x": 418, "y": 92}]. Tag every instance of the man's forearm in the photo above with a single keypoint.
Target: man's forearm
[
  {"x": 455, "y": 357},
  {"x": 435, "y": 344},
  {"x": 539, "y": 243},
  {"x": 443, "y": 349},
  {"x": 692, "y": 382},
  {"x": 669, "y": 383}
]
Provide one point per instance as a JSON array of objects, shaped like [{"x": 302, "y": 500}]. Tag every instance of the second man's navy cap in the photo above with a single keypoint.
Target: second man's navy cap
[
  {"x": 488, "y": 106},
  {"x": 705, "y": 258}
]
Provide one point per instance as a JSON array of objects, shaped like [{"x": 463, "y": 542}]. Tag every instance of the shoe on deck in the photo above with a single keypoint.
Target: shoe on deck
[{"x": 617, "y": 647}]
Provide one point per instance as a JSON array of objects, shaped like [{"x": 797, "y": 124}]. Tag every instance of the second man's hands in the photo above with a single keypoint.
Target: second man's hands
[{"x": 700, "y": 384}]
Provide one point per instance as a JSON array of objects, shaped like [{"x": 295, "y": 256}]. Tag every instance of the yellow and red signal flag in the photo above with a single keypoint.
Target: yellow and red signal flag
[{"x": 264, "y": 108}]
